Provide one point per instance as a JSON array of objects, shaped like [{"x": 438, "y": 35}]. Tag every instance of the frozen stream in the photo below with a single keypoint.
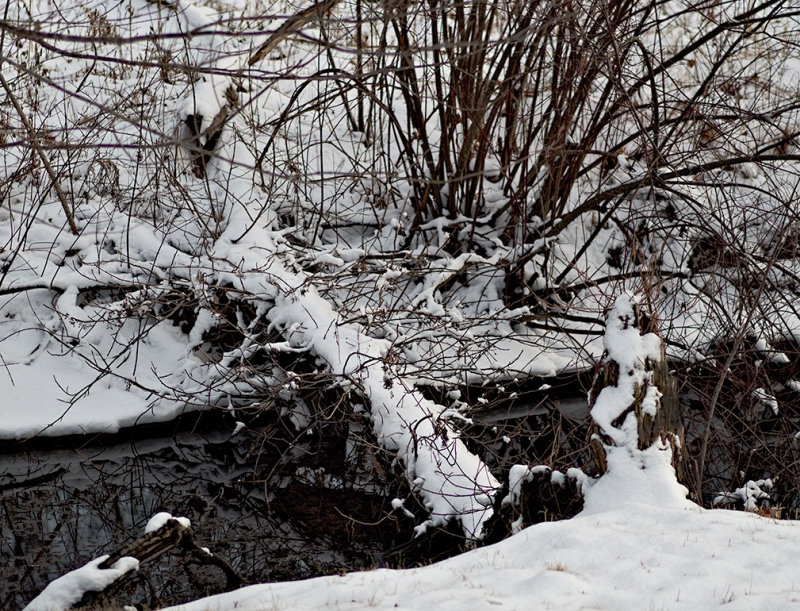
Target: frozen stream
[
  {"x": 275, "y": 503},
  {"x": 252, "y": 499}
]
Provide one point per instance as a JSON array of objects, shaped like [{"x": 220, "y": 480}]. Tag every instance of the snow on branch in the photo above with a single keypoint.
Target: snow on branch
[
  {"x": 752, "y": 495},
  {"x": 453, "y": 482}
]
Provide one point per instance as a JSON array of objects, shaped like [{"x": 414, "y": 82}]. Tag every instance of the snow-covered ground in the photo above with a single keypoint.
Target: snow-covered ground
[
  {"x": 633, "y": 556},
  {"x": 638, "y": 544}
]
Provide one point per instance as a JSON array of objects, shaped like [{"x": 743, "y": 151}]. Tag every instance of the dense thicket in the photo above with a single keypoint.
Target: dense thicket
[{"x": 428, "y": 207}]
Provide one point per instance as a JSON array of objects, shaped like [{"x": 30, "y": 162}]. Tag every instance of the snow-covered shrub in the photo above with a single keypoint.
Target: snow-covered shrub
[
  {"x": 535, "y": 494},
  {"x": 752, "y": 496}
]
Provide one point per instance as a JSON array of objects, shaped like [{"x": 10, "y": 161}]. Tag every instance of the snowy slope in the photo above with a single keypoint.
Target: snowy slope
[{"x": 630, "y": 557}]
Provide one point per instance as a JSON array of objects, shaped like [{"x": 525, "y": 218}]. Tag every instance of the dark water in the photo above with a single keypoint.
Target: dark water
[
  {"x": 278, "y": 500},
  {"x": 273, "y": 503}
]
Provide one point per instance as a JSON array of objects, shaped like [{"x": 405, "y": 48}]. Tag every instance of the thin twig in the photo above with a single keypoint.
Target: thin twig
[{"x": 42, "y": 155}]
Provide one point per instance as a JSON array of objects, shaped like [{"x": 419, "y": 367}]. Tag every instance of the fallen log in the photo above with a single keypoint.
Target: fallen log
[{"x": 95, "y": 585}]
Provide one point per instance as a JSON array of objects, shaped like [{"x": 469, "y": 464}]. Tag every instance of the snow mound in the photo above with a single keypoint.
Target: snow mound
[
  {"x": 629, "y": 557},
  {"x": 636, "y": 478}
]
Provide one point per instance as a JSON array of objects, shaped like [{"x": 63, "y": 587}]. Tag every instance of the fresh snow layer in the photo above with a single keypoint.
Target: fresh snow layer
[{"x": 632, "y": 556}]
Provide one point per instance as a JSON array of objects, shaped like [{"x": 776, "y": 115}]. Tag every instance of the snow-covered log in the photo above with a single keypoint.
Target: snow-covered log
[
  {"x": 95, "y": 576},
  {"x": 452, "y": 481},
  {"x": 91, "y": 586}
]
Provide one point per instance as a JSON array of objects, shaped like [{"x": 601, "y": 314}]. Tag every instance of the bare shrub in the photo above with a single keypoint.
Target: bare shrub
[{"x": 467, "y": 184}]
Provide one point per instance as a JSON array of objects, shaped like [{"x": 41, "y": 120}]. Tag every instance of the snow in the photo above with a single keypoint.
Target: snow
[
  {"x": 399, "y": 505},
  {"x": 634, "y": 555},
  {"x": 518, "y": 475},
  {"x": 636, "y": 477},
  {"x": 70, "y": 588},
  {"x": 750, "y": 495},
  {"x": 767, "y": 399},
  {"x": 631, "y": 350},
  {"x": 64, "y": 393},
  {"x": 160, "y": 519},
  {"x": 86, "y": 345}
]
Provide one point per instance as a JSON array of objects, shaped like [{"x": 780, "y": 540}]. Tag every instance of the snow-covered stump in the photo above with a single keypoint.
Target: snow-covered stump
[
  {"x": 639, "y": 437},
  {"x": 92, "y": 579},
  {"x": 637, "y": 446}
]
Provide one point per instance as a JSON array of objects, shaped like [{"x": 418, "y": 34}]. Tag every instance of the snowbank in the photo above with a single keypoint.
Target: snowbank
[{"x": 633, "y": 556}]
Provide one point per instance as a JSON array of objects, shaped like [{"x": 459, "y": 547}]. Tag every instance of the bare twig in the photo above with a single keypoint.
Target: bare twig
[{"x": 34, "y": 142}]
